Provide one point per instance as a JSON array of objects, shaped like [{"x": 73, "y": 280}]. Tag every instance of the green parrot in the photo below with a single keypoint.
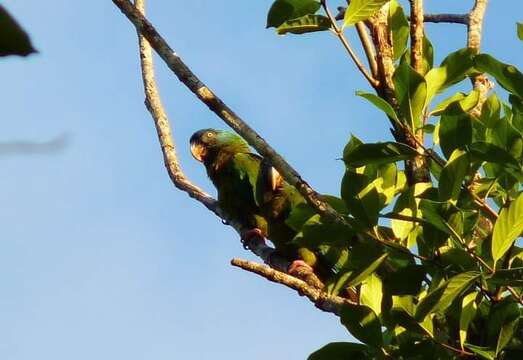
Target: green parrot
[{"x": 252, "y": 192}]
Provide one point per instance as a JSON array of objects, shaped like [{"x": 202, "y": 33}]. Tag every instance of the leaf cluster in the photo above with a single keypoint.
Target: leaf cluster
[{"x": 437, "y": 266}]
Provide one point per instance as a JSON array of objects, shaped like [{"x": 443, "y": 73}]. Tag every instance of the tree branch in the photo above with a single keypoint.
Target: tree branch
[
  {"x": 416, "y": 35},
  {"x": 474, "y": 30},
  {"x": 215, "y": 104},
  {"x": 321, "y": 299},
  {"x": 163, "y": 128},
  {"x": 447, "y": 18},
  {"x": 368, "y": 47},
  {"x": 339, "y": 33}
]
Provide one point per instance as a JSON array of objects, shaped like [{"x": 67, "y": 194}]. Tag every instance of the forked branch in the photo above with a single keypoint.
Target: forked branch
[{"x": 215, "y": 104}]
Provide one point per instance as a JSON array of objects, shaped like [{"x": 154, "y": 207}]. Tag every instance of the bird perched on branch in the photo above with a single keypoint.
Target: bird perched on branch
[{"x": 251, "y": 192}]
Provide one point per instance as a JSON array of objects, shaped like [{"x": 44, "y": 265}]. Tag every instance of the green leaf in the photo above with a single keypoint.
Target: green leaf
[
  {"x": 430, "y": 212},
  {"x": 453, "y": 174},
  {"x": 468, "y": 312},
  {"x": 491, "y": 111},
  {"x": 520, "y": 30},
  {"x": 508, "y": 76},
  {"x": 399, "y": 27},
  {"x": 13, "y": 39},
  {"x": 484, "y": 352},
  {"x": 361, "y": 10},
  {"x": 444, "y": 295},
  {"x": 507, "y": 277},
  {"x": 304, "y": 24},
  {"x": 371, "y": 293},
  {"x": 442, "y": 106},
  {"x": 361, "y": 197},
  {"x": 503, "y": 320},
  {"x": 378, "y": 154},
  {"x": 363, "y": 324},
  {"x": 354, "y": 278},
  {"x": 455, "y": 130},
  {"x": 340, "y": 351},
  {"x": 380, "y": 103},
  {"x": 452, "y": 70},
  {"x": 284, "y": 10},
  {"x": 483, "y": 151},
  {"x": 411, "y": 92},
  {"x": 507, "y": 228}
]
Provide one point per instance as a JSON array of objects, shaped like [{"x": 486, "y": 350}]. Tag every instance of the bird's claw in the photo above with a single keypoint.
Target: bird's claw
[{"x": 298, "y": 267}]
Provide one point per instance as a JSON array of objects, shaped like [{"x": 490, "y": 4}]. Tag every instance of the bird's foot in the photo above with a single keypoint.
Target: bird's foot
[
  {"x": 250, "y": 236},
  {"x": 298, "y": 267},
  {"x": 303, "y": 271}
]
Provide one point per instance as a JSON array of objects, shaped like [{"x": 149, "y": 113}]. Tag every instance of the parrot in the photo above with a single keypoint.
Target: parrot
[{"x": 252, "y": 192}]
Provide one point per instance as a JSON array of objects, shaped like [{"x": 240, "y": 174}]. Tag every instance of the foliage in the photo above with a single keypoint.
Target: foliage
[
  {"x": 438, "y": 267},
  {"x": 13, "y": 39}
]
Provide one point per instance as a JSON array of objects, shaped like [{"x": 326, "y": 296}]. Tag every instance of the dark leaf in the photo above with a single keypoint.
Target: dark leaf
[
  {"x": 284, "y": 10},
  {"x": 378, "y": 153},
  {"x": 363, "y": 324},
  {"x": 13, "y": 39},
  {"x": 340, "y": 351},
  {"x": 304, "y": 24}
]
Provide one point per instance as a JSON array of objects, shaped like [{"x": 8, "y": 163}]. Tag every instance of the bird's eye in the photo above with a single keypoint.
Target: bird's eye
[{"x": 210, "y": 134}]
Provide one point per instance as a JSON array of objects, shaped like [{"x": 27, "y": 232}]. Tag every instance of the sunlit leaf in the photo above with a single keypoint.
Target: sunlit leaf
[
  {"x": 452, "y": 70},
  {"x": 520, "y": 30},
  {"x": 507, "y": 228},
  {"x": 400, "y": 28},
  {"x": 361, "y": 10},
  {"x": 444, "y": 295},
  {"x": 411, "y": 92},
  {"x": 380, "y": 103},
  {"x": 453, "y": 174},
  {"x": 371, "y": 293},
  {"x": 468, "y": 311}
]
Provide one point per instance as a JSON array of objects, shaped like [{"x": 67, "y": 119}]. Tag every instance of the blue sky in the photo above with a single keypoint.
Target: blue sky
[{"x": 100, "y": 257}]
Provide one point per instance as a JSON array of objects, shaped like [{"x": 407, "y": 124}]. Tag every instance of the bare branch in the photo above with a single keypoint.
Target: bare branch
[
  {"x": 416, "y": 34},
  {"x": 215, "y": 104},
  {"x": 474, "y": 29},
  {"x": 368, "y": 47},
  {"x": 339, "y": 33},
  {"x": 447, "y": 18},
  {"x": 322, "y": 300}
]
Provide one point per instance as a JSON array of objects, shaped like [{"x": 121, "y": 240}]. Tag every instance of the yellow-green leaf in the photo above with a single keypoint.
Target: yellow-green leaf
[
  {"x": 508, "y": 228},
  {"x": 361, "y": 10}
]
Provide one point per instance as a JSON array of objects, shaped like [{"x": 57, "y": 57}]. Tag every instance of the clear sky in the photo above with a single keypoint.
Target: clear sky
[{"x": 100, "y": 257}]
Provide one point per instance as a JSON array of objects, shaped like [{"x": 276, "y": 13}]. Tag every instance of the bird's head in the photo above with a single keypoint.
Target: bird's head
[{"x": 208, "y": 142}]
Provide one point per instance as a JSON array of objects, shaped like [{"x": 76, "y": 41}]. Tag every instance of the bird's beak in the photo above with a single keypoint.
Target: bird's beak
[{"x": 198, "y": 151}]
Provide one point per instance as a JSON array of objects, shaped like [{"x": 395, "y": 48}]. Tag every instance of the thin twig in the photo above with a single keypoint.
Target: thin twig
[
  {"x": 416, "y": 35},
  {"x": 368, "y": 47},
  {"x": 321, "y": 299},
  {"x": 339, "y": 33},
  {"x": 163, "y": 128},
  {"x": 447, "y": 18},
  {"x": 215, "y": 104}
]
